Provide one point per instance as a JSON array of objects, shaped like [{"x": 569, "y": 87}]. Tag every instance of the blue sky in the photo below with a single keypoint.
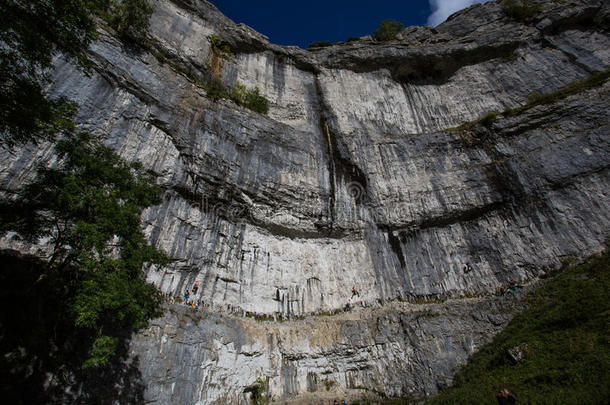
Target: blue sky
[{"x": 301, "y": 23}]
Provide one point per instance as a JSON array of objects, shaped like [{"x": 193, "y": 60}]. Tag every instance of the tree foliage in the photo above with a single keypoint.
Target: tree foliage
[
  {"x": 131, "y": 18},
  {"x": 388, "y": 29},
  {"x": 88, "y": 210},
  {"x": 31, "y": 34}
]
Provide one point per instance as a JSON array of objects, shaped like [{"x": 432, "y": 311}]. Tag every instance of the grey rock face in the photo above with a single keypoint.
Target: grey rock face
[
  {"x": 353, "y": 179},
  {"x": 193, "y": 356}
]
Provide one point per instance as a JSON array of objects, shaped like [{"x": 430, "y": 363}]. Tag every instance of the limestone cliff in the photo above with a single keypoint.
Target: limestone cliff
[{"x": 354, "y": 178}]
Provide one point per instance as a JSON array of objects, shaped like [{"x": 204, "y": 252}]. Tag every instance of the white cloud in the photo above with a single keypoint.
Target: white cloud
[{"x": 441, "y": 9}]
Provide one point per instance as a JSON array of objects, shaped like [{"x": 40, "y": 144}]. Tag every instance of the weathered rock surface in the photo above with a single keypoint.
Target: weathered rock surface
[
  {"x": 353, "y": 179},
  {"x": 405, "y": 349}
]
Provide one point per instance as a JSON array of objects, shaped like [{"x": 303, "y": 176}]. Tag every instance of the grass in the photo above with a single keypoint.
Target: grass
[
  {"x": 597, "y": 79},
  {"x": 565, "y": 337}
]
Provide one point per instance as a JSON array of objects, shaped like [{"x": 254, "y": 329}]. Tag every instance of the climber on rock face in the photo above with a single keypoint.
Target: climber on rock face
[
  {"x": 186, "y": 297},
  {"x": 355, "y": 291},
  {"x": 195, "y": 287}
]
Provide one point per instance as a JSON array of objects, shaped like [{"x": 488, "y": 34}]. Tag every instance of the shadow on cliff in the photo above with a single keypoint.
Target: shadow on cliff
[{"x": 41, "y": 351}]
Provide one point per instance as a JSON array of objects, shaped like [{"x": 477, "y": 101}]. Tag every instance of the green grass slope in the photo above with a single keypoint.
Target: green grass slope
[{"x": 565, "y": 340}]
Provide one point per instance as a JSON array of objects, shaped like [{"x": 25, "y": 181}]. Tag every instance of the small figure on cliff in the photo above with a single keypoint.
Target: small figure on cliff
[
  {"x": 467, "y": 268},
  {"x": 505, "y": 397},
  {"x": 335, "y": 402},
  {"x": 343, "y": 402},
  {"x": 355, "y": 291},
  {"x": 186, "y": 297},
  {"x": 514, "y": 288},
  {"x": 195, "y": 287}
]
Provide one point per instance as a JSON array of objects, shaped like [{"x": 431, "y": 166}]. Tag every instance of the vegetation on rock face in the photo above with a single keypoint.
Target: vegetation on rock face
[
  {"x": 488, "y": 119},
  {"x": 536, "y": 98},
  {"x": 388, "y": 29},
  {"x": 249, "y": 98},
  {"x": 220, "y": 46},
  {"x": 520, "y": 10},
  {"x": 130, "y": 18},
  {"x": 258, "y": 392},
  {"x": 88, "y": 207},
  {"x": 31, "y": 34},
  {"x": 563, "y": 341},
  {"x": 320, "y": 44},
  {"x": 238, "y": 93},
  {"x": 88, "y": 210}
]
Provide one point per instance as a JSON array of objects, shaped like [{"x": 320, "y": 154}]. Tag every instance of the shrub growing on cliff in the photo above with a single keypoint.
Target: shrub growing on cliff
[
  {"x": 258, "y": 392},
  {"x": 256, "y": 102},
  {"x": 488, "y": 119},
  {"x": 520, "y": 10},
  {"x": 220, "y": 46},
  {"x": 249, "y": 98},
  {"x": 388, "y": 29},
  {"x": 131, "y": 18}
]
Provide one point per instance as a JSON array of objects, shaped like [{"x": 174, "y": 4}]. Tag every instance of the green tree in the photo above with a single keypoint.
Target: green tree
[
  {"x": 88, "y": 210},
  {"x": 388, "y": 29},
  {"x": 131, "y": 19},
  {"x": 88, "y": 207},
  {"x": 31, "y": 34}
]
